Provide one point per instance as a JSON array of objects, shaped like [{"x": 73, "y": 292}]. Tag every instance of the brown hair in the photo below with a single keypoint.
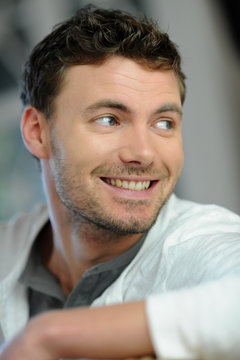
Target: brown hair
[{"x": 89, "y": 37}]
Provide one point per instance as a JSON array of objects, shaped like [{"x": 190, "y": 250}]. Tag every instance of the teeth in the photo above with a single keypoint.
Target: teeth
[
  {"x": 130, "y": 185},
  {"x": 118, "y": 183},
  {"x": 140, "y": 186}
]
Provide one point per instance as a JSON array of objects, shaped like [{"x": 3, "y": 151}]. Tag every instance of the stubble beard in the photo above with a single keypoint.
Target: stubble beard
[{"x": 87, "y": 209}]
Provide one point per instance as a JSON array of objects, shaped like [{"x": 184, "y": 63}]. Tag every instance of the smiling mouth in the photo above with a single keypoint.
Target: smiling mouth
[{"x": 129, "y": 184}]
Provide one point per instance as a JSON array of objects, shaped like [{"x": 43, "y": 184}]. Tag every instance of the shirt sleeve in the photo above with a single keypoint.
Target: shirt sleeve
[{"x": 200, "y": 322}]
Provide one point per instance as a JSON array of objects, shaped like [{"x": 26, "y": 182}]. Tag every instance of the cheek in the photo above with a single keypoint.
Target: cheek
[
  {"x": 91, "y": 151},
  {"x": 173, "y": 157}
]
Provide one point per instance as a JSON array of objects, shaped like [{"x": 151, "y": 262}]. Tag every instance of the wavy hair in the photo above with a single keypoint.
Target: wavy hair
[{"x": 89, "y": 37}]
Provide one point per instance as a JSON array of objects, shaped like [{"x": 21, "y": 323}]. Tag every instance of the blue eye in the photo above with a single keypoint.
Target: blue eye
[
  {"x": 106, "y": 120},
  {"x": 164, "y": 124}
]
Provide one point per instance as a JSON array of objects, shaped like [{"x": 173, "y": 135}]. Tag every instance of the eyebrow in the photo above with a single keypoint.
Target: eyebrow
[
  {"x": 120, "y": 106},
  {"x": 108, "y": 104},
  {"x": 169, "y": 107}
]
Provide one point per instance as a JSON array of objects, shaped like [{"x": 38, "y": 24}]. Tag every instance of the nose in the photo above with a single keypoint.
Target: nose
[{"x": 137, "y": 147}]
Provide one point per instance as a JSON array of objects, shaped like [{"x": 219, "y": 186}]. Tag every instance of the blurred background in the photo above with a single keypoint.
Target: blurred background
[{"x": 207, "y": 33}]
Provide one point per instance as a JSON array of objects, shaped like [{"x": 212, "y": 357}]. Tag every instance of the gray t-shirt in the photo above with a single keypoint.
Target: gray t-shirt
[{"x": 45, "y": 293}]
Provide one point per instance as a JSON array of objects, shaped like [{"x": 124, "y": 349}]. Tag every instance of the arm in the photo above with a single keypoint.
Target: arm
[
  {"x": 117, "y": 331},
  {"x": 201, "y": 322}
]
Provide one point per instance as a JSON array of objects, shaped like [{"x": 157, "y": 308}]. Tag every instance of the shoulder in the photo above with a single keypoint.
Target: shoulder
[
  {"x": 189, "y": 244},
  {"x": 181, "y": 220},
  {"x": 24, "y": 223},
  {"x": 199, "y": 242},
  {"x": 18, "y": 234},
  {"x": 188, "y": 232}
]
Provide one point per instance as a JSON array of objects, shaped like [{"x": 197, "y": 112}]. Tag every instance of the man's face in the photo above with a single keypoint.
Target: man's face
[{"x": 116, "y": 145}]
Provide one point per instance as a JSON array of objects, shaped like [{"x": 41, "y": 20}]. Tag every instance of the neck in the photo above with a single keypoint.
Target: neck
[{"x": 75, "y": 246}]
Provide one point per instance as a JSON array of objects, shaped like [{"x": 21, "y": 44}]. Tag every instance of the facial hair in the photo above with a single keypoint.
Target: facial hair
[{"x": 85, "y": 204}]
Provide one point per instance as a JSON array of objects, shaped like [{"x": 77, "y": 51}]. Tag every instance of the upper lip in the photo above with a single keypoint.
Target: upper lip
[{"x": 129, "y": 178}]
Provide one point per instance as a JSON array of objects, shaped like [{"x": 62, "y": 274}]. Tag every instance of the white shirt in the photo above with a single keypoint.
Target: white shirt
[{"x": 188, "y": 269}]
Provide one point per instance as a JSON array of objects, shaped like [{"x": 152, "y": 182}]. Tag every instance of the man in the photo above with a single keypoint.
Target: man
[{"x": 103, "y": 97}]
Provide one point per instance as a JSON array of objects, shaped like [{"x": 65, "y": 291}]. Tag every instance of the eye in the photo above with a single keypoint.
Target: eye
[
  {"x": 164, "y": 124},
  {"x": 106, "y": 120}
]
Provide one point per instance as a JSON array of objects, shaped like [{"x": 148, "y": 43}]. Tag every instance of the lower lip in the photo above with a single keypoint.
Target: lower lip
[{"x": 132, "y": 193}]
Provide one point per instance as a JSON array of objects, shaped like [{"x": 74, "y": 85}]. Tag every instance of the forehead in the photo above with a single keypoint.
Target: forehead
[{"x": 121, "y": 78}]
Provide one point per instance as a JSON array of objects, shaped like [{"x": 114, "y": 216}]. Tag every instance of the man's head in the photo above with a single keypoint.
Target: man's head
[
  {"x": 90, "y": 37},
  {"x": 112, "y": 89}
]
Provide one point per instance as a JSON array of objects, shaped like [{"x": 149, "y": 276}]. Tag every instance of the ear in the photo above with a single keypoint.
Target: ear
[{"x": 35, "y": 132}]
